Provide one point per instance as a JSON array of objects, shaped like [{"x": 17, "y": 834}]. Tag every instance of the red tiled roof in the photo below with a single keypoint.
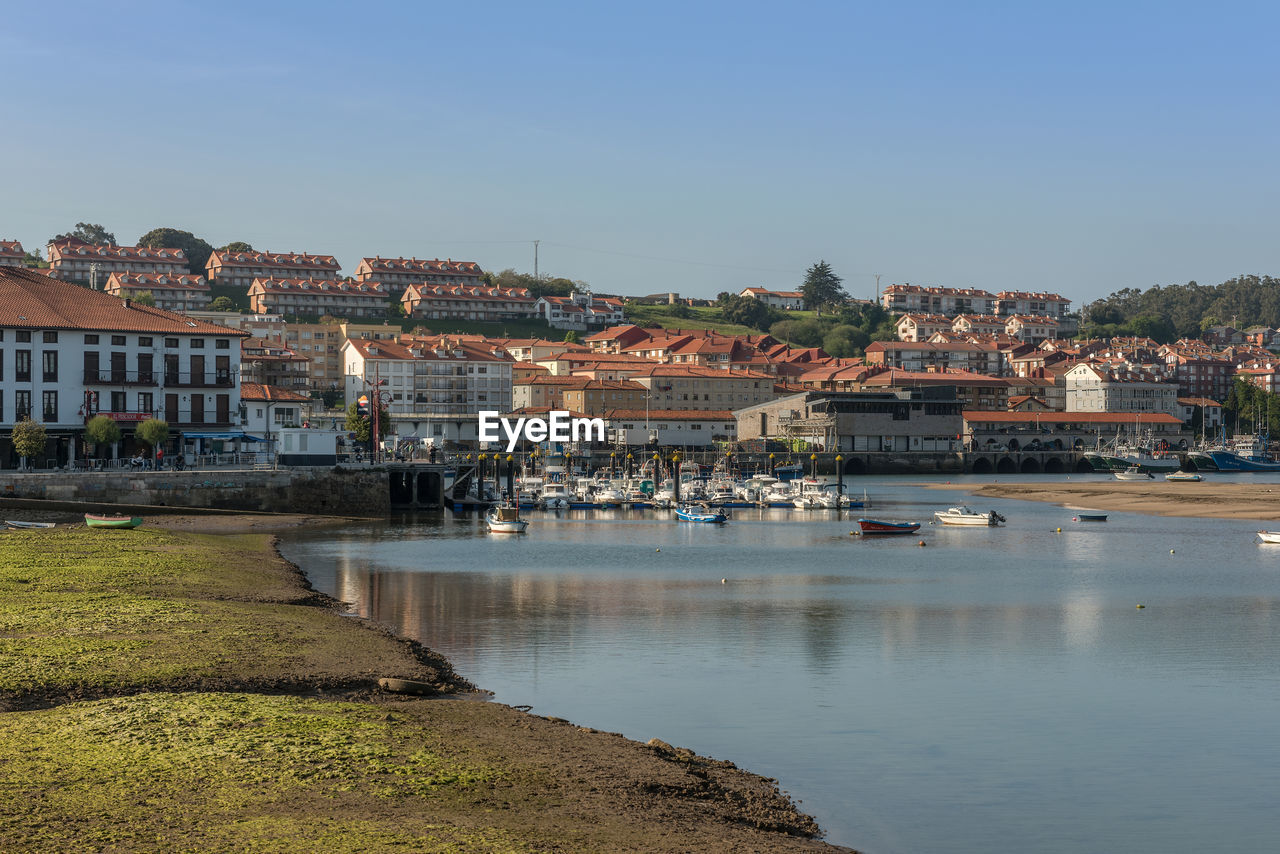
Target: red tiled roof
[
  {"x": 1004, "y": 417},
  {"x": 29, "y": 300},
  {"x": 672, "y": 414},
  {"x": 169, "y": 281},
  {"x": 292, "y": 260},
  {"x": 258, "y": 391},
  {"x": 378, "y": 264},
  {"x": 11, "y": 249},
  {"x": 74, "y": 248}
]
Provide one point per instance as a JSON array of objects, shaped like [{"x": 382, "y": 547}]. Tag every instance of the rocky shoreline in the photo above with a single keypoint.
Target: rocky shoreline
[{"x": 216, "y": 654}]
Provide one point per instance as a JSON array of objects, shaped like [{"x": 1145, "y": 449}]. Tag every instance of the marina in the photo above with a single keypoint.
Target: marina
[{"x": 998, "y": 691}]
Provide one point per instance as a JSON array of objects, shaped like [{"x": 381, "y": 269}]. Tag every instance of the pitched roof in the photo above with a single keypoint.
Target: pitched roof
[
  {"x": 258, "y": 391},
  {"x": 29, "y": 300},
  {"x": 11, "y": 249},
  {"x": 292, "y": 260}
]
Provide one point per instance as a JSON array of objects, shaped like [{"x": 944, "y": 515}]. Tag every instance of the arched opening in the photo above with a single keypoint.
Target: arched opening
[
  {"x": 1013, "y": 445},
  {"x": 1030, "y": 466},
  {"x": 854, "y": 465},
  {"x": 982, "y": 465},
  {"x": 430, "y": 489},
  {"x": 1006, "y": 466},
  {"x": 1083, "y": 466},
  {"x": 1054, "y": 465},
  {"x": 401, "y": 490}
]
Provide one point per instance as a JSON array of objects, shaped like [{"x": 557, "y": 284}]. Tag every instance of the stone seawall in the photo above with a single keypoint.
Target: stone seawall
[{"x": 322, "y": 491}]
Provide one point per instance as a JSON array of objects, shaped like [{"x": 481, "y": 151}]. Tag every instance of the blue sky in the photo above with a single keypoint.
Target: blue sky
[{"x": 695, "y": 147}]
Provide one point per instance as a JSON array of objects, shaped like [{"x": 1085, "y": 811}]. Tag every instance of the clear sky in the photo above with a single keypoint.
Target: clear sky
[{"x": 694, "y": 147}]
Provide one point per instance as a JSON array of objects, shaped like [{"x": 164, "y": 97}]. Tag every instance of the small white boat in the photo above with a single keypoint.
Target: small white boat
[
  {"x": 1269, "y": 536},
  {"x": 14, "y": 524},
  {"x": 1187, "y": 476},
  {"x": 1133, "y": 473},
  {"x": 967, "y": 516},
  {"x": 506, "y": 520}
]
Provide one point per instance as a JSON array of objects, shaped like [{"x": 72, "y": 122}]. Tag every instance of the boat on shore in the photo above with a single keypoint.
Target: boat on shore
[
  {"x": 1133, "y": 473},
  {"x": 968, "y": 517},
  {"x": 12, "y": 523},
  {"x": 1184, "y": 477},
  {"x": 94, "y": 520},
  {"x": 700, "y": 513},
  {"x": 880, "y": 527}
]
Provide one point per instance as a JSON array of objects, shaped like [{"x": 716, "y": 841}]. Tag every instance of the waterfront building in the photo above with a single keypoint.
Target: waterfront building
[
  {"x": 176, "y": 292},
  {"x": 74, "y": 260},
  {"x": 1209, "y": 412},
  {"x": 11, "y": 253},
  {"x": 985, "y": 430},
  {"x": 467, "y": 302},
  {"x": 974, "y": 391},
  {"x": 398, "y": 273},
  {"x": 318, "y": 297},
  {"x": 671, "y": 428},
  {"x": 321, "y": 345},
  {"x": 68, "y": 354},
  {"x": 918, "y": 419},
  {"x": 594, "y": 397},
  {"x": 949, "y": 302},
  {"x": 267, "y": 409},
  {"x": 1200, "y": 371},
  {"x": 785, "y": 300},
  {"x": 699, "y": 388},
  {"x": 1094, "y": 387},
  {"x": 540, "y": 391},
  {"x": 240, "y": 269}
]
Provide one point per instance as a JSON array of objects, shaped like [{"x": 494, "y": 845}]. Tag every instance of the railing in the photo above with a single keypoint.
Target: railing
[{"x": 108, "y": 376}]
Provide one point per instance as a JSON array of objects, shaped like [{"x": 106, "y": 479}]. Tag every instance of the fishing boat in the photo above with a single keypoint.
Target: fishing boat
[
  {"x": 95, "y": 521},
  {"x": 1184, "y": 476},
  {"x": 16, "y": 524},
  {"x": 1090, "y": 517},
  {"x": 505, "y": 519},
  {"x": 966, "y": 516},
  {"x": 1245, "y": 455},
  {"x": 881, "y": 527},
  {"x": 1269, "y": 536},
  {"x": 700, "y": 513},
  {"x": 1133, "y": 473}
]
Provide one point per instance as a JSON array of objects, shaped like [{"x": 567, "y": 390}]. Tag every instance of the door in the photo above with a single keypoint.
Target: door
[
  {"x": 171, "y": 369},
  {"x": 91, "y": 366},
  {"x": 170, "y": 406},
  {"x": 117, "y": 367},
  {"x": 197, "y": 370},
  {"x": 197, "y": 409},
  {"x": 223, "y": 403}
]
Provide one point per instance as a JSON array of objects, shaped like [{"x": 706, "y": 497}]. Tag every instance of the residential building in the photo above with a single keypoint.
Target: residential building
[
  {"x": 923, "y": 356},
  {"x": 541, "y": 391},
  {"x": 318, "y": 297},
  {"x": 11, "y": 253},
  {"x": 785, "y": 300},
  {"x": 616, "y": 338},
  {"x": 974, "y": 391},
  {"x": 67, "y": 354},
  {"x": 1200, "y": 373},
  {"x": 1031, "y": 329},
  {"x": 321, "y": 344},
  {"x": 1095, "y": 387},
  {"x": 671, "y": 428},
  {"x": 579, "y": 310},
  {"x": 467, "y": 302},
  {"x": 171, "y": 291},
  {"x": 924, "y": 419},
  {"x": 920, "y": 327},
  {"x": 1264, "y": 375},
  {"x": 240, "y": 269},
  {"x": 268, "y": 409},
  {"x": 269, "y": 327},
  {"x": 73, "y": 260},
  {"x": 949, "y": 302},
  {"x": 595, "y": 397},
  {"x": 1205, "y": 414},
  {"x": 979, "y": 324},
  {"x": 269, "y": 363},
  {"x": 692, "y": 387},
  {"x": 1038, "y": 304},
  {"x": 398, "y": 273}
]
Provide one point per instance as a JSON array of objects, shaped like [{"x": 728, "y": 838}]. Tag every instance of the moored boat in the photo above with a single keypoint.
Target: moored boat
[
  {"x": 1184, "y": 477},
  {"x": 1090, "y": 517},
  {"x": 506, "y": 520},
  {"x": 95, "y": 521},
  {"x": 700, "y": 513},
  {"x": 967, "y": 516},
  {"x": 1133, "y": 473},
  {"x": 1269, "y": 536},
  {"x": 880, "y": 526}
]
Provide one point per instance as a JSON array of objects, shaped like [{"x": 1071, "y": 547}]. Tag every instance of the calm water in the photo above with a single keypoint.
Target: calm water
[{"x": 995, "y": 691}]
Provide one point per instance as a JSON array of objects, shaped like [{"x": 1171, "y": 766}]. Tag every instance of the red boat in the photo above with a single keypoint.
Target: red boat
[{"x": 875, "y": 526}]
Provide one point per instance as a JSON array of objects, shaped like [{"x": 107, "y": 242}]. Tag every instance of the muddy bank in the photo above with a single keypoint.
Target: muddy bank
[
  {"x": 1210, "y": 498},
  {"x": 169, "y": 688}
]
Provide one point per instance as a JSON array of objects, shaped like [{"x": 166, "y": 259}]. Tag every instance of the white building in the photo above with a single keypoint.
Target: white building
[
  {"x": 170, "y": 291},
  {"x": 68, "y": 353},
  {"x": 903, "y": 299},
  {"x": 580, "y": 311},
  {"x": 785, "y": 300},
  {"x": 1101, "y": 388},
  {"x": 266, "y": 410},
  {"x": 674, "y": 428}
]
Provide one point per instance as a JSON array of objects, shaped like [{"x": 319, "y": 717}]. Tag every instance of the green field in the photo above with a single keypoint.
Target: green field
[{"x": 702, "y": 317}]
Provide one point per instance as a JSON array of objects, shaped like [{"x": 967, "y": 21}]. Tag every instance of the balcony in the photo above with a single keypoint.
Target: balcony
[
  {"x": 208, "y": 379},
  {"x": 106, "y": 376},
  {"x": 152, "y": 378}
]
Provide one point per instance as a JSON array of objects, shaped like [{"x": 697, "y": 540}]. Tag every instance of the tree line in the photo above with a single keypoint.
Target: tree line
[{"x": 1166, "y": 313}]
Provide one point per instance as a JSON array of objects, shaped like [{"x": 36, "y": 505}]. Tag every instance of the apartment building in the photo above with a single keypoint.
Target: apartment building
[
  {"x": 1032, "y": 303},
  {"x": 318, "y": 297},
  {"x": 273, "y": 364},
  {"x": 1031, "y": 329},
  {"x": 268, "y": 409},
  {"x": 398, "y": 273},
  {"x": 671, "y": 428},
  {"x": 924, "y": 356},
  {"x": 73, "y": 260},
  {"x": 240, "y": 269},
  {"x": 321, "y": 344},
  {"x": 1105, "y": 388},
  {"x": 579, "y": 311},
  {"x": 171, "y": 291},
  {"x": 11, "y": 253},
  {"x": 949, "y": 302},
  {"x": 463, "y": 302},
  {"x": 921, "y": 327},
  {"x": 690, "y": 387},
  {"x": 541, "y": 391},
  {"x": 68, "y": 354},
  {"x": 785, "y": 300},
  {"x": 979, "y": 324},
  {"x": 269, "y": 327}
]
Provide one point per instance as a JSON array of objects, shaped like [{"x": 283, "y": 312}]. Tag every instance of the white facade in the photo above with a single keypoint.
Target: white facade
[
  {"x": 1091, "y": 388},
  {"x": 672, "y": 428}
]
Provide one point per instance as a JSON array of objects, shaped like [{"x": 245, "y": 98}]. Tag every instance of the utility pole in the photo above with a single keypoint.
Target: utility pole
[
  {"x": 535, "y": 260},
  {"x": 878, "y": 275}
]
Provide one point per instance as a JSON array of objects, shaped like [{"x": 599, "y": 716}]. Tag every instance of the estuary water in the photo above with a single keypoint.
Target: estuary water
[{"x": 995, "y": 691}]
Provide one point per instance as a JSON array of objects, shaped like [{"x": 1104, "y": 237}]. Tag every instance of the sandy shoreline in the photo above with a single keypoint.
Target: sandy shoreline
[{"x": 1208, "y": 499}]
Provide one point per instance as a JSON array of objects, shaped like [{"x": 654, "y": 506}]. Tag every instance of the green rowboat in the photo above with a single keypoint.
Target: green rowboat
[{"x": 112, "y": 521}]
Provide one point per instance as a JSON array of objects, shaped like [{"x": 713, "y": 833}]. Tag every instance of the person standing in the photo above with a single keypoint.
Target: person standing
[{"x": 159, "y": 458}]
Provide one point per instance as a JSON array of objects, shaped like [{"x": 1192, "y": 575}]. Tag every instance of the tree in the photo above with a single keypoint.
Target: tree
[
  {"x": 29, "y": 439},
  {"x": 362, "y": 425},
  {"x": 236, "y": 246},
  {"x": 571, "y": 337},
  {"x": 196, "y": 250},
  {"x": 748, "y": 311},
  {"x": 539, "y": 287},
  {"x": 222, "y": 304},
  {"x": 33, "y": 260},
  {"x": 822, "y": 287},
  {"x": 153, "y": 432},
  {"x": 89, "y": 232},
  {"x": 843, "y": 341},
  {"x": 102, "y": 430},
  {"x": 145, "y": 298}
]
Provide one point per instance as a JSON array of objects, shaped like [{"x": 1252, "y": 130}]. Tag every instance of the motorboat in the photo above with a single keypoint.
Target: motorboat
[
  {"x": 1184, "y": 477},
  {"x": 555, "y": 496},
  {"x": 505, "y": 519},
  {"x": 700, "y": 513},
  {"x": 1269, "y": 536},
  {"x": 813, "y": 496},
  {"x": 1133, "y": 473},
  {"x": 881, "y": 527},
  {"x": 1089, "y": 517},
  {"x": 969, "y": 517}
]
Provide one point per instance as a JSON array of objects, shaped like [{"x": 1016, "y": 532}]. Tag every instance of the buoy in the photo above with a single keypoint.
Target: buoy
[
  {"x": 1141, "y": 606},
  {"x": 1060, "y": 530},
  {"x": 1170, "y": 551},
  {"x": 922, "y": 543},
  {"x": 723, "y": 581},
  {"x": 657, "y": 550},
  {"x": 1073, "y": 519}
]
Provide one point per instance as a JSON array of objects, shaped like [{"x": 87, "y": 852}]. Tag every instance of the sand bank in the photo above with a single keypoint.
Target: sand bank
[{"x": 1211, "y": 498}]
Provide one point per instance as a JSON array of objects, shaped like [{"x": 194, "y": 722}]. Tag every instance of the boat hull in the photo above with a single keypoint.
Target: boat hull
[
  {"x": 1091, "y": 517},
  {"x": 685, "y": 515},
  {"x": 1227, "y": 461},
  {"x": 881, "y": 528},
  {"x": 116, "y": 522}
]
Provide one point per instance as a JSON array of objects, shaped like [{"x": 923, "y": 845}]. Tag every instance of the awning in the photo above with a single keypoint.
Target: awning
[{"x": 223, "y": 436}]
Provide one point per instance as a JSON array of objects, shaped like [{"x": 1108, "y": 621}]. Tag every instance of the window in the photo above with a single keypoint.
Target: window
[
  {"x": 221, "y": 344},
  {"x": 49, "y": 337},
  {"x": 50, "y": 401},
  {"x": 146, "y": 404},
  {"x": 197, "y": 343},
  {"x": 24, "y": 335},
  {"x": 144, "y": 342},
  {"x": 49, "y": 362},
  {"x": 171, "y": 342},
  {"x": 22, "y": 366},
  {"x": 22, "y": 405},
  {"x": 91, "y": 339},
  {"x": 117, "y": 340},
  {"x": 118, "y": 402}
]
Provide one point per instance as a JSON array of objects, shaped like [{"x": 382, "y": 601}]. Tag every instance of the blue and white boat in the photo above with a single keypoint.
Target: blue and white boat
[
  {"x": 1247, "y": 455},
  {"x": 697, "y": 513}
]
